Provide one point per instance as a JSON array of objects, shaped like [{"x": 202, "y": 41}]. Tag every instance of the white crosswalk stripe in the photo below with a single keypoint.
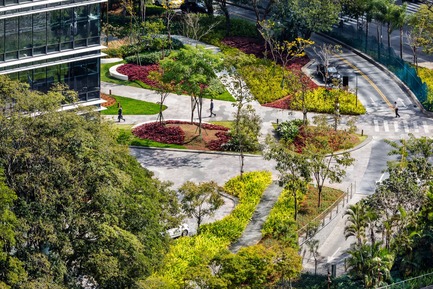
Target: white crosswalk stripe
[
  {"x": 385, "y": 125},
  {"x": 400, "y": 125},
  {"x": 412, "y": 8},
  {"x": 376, "y": 125},
  {"x": 406, "y": 126},
  {"x": 415, "y": 126},
  {"x": 395, "y": 126},
  {"x": 424, "y": 123}
]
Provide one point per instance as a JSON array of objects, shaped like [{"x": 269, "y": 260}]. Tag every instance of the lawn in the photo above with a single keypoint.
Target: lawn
[{"x": 132, "y": 107}]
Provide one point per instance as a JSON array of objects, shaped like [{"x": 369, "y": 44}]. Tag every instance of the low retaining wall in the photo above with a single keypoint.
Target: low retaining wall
[{"x": 115, "y": 74}]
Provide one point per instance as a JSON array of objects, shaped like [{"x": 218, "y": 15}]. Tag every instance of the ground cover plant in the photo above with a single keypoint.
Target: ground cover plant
[
  {"x": 184, "y": 133},
  {"x": 130, "y": 106},
  {"x": 125, "y": 137},
  {"x": 296, "y": 135},
  {"x": 106, "y": 77},
  {"x": 265, "y": 80},
  {"x": 426, "y": 76},
  {"x": 187, "y": 255}
]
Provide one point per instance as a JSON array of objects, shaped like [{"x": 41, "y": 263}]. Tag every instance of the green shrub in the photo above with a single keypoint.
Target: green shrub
[
  {"x": 113, "y": 52},
  {"x": 199, "y": 250},
  {"x": 323, "y": 100},
  {"x": 426, "y": 76},
  {"x": 145, "y": 58},
  {"x": 248, "y": 190},
  {"x": 289, "y": 130},
  {"x": 154, "y": 10},
  {"x": 215, "y": 88},
  {"x": 244, "y": 28},
  {"x": 280, "y": 223}
]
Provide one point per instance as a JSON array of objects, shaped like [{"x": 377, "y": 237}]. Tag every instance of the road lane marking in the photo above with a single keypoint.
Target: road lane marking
[
  {"x": 385, "y": 125},
  {"x": 356, "y": 69},
  {"x": 376, "y": 125},
  {"x": 372, "y": 101},
  {"x": 395, "y": 126},
  {"x": 406, "y": 126},
  {"x": 415, "y": 126}
]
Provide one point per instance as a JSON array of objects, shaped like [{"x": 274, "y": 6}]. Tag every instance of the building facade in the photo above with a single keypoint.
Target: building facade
[{"x": 49, "y": 41}]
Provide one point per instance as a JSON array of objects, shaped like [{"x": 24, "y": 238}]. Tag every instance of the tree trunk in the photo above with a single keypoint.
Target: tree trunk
[
  {"x": 401, "y": 42},
  {"x": 296, "y": 204},
  {"x": 389, "y": 35},
  {"x": 319, "y": 199},
  {"x": 200, "y": 108}
]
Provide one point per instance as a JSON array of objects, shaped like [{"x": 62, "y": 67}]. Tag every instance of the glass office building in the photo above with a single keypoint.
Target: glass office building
[{"x": 48, "y": 41}]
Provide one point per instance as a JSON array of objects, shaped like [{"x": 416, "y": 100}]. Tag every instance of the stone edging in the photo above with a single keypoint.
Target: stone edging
[{"x": 117, "y": 75}]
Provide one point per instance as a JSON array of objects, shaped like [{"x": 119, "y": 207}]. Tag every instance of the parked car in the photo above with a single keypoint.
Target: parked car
[
  {"x": 331, "y": 74},
  {"x": 180, "y": 231},
  {"x": 194, "y": 7}
]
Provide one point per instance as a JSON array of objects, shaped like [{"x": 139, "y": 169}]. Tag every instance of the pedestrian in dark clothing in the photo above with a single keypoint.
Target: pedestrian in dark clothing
[
  {"x": 120, "y": 114},
  {"x": 211, "y": 109},
  {"x": 396, "y": 109}
]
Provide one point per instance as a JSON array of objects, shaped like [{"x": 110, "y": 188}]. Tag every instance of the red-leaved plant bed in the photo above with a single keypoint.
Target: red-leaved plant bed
[
  {"x": 138, "y": 72},
  {"x": 217, "y": 144},
  {"x": 246, "y": 45},
  {"x": 160, "y": 133},
  {"x": 171, "y": 132}
]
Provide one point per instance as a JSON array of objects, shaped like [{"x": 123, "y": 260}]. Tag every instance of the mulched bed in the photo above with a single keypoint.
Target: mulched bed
[
  {"x": 109, "y": 100},
  {"x": 213, "y": 137}
]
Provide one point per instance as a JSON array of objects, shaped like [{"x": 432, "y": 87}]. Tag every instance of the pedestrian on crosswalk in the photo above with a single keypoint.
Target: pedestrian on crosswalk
[{"x": 396, "y": 109}]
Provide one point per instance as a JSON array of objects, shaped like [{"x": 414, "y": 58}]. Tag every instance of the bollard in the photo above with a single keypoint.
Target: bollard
[
  {"x": 109, "y": 92},
  {"x": 362, "y": 132},
  {"x": 277, "y": 120}
]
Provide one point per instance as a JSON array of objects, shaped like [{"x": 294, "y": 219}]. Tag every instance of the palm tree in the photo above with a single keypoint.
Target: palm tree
[
  {"x": 356, "y": 222},
  {"x": 370, "y": 263},
  {"x": 398, "y": 20}
]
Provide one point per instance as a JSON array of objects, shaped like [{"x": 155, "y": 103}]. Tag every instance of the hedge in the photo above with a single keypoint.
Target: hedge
[{"x": 189, "y": 252}]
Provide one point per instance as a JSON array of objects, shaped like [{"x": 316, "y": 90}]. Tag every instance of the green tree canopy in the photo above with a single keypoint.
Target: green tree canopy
[{"x": 86, "y": 210}]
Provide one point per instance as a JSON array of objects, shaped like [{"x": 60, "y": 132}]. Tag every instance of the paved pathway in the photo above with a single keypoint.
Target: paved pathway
[{"x": 253, "y": 232}]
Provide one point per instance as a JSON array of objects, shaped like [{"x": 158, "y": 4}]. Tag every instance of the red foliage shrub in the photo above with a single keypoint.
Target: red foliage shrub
[
  {"x": 203, "y": 125},
  {"x": 160, "y": 133},
  {"x": 137, "y": 72},
  {"x": 246, "y": 45},
  {"x": 216, "y": 145}
]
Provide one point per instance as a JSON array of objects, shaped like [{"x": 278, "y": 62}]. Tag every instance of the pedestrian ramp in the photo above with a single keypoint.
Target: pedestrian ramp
[{"x": 401, "y": 126}]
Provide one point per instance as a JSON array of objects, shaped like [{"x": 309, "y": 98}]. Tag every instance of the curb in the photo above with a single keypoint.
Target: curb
[{"x": 195, "y": 151}]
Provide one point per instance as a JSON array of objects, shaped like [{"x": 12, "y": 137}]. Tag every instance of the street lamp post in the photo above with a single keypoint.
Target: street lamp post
[{"x": 356, "y": 89}]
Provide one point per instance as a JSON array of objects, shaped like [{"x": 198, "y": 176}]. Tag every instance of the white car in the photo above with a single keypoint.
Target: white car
[{"x": 181, "y": 231}]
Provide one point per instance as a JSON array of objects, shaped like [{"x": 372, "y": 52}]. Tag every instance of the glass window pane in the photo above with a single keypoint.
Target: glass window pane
[
  {"x": 11, "y": 34},
  {"x": 39, "y": 32}
]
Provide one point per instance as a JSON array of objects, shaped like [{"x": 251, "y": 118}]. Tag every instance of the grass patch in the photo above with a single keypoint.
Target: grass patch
[
  {"x": 132, "y": 107},
  {"x": 226, "y": 96},
  {"x": 226, "y": 123},
  {"x": 308, "y": 209},
  {"x": 105, "y": 76},
  {"x": 126, "y": 137}
]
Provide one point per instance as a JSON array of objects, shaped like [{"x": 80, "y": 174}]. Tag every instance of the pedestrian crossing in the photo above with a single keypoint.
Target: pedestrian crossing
[
  {"x": 411, "y": 8},
  {"x": 400, "y": 126}
]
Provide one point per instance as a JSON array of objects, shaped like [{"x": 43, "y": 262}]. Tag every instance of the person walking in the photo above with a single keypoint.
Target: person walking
[
  {"x": 120, "y": 114},
  {"x": 211, "y": 109},
  {"x": 396, "y": 109}
]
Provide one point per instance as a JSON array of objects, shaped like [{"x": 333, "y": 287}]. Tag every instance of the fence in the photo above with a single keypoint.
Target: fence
[
  {"x": 328, "y": 215},
  {"x": 386, "y": 56},
  {"x": 412, "y": 283}
]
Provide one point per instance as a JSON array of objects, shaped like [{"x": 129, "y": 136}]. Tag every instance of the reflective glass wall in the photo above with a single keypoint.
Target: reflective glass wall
[
  {"x": 81, "y": 76},
  {"x": 49, "y": 32}
]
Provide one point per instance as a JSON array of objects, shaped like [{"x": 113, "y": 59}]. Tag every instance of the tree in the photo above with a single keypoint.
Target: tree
[
  {"x": 422, "y": 31},
  {"x": 355, "y": 225},
  {"x": 246, "y": 126},
  {"x": 398, "y": 20},
  {"x": 370, "y": 263},
  {"x": 83, "y": 203},
  {"x": 192, "y": 69},
  {"x": 325, "y": 53},
  {"x": 293, "y": 168},
  {"x": 200, "y": 200},
  {"x": 193, "y": 28},
  {"x": 324, "y": 163},
  {"x": 281, "y": 51}
]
